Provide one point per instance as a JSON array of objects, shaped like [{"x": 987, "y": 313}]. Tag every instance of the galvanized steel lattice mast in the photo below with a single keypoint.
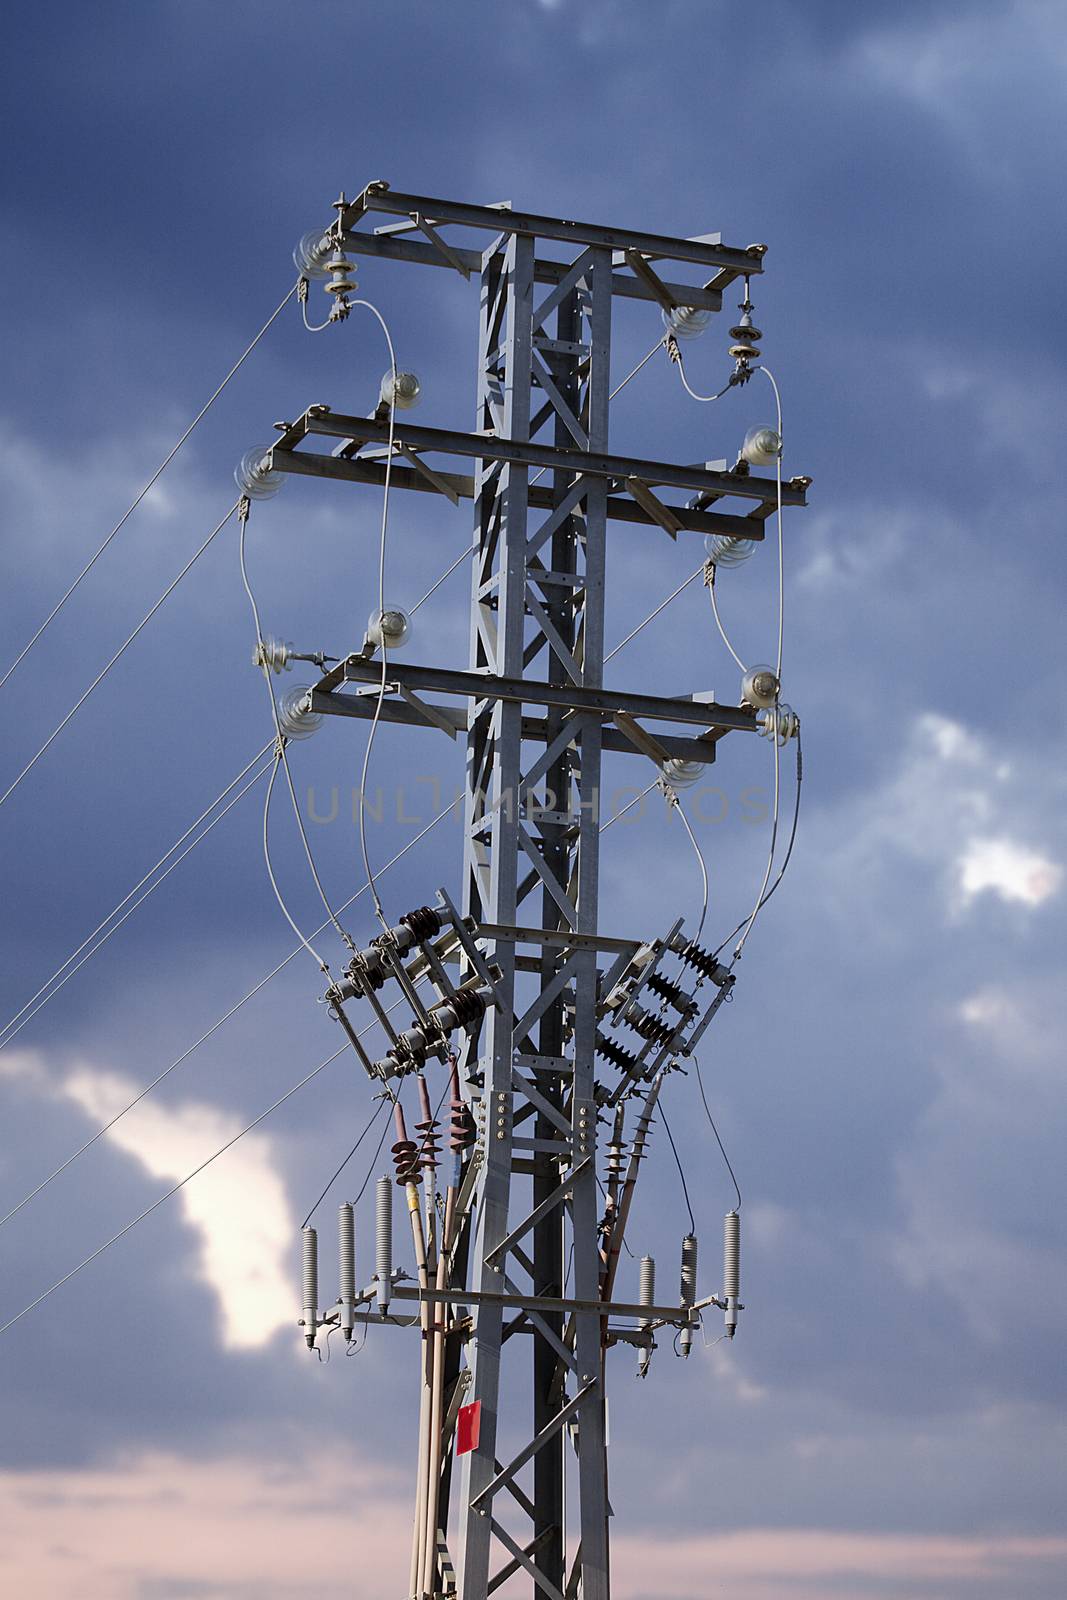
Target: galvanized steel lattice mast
[{"x": 536, "y": 714}]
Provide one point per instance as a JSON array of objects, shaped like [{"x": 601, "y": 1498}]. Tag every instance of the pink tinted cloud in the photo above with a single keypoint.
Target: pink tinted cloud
[{"x": 242, "y": 1525}]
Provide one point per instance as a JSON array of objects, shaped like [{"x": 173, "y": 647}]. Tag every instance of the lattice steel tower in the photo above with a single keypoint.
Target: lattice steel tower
[{"x": 560, "y": 1030}]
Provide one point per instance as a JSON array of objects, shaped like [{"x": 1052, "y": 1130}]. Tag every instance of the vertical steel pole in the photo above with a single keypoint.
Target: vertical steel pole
[{"x": 539, "y": 597}]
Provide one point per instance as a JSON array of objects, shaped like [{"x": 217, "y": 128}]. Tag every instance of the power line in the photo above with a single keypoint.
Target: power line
[
  {"x": 215, "y": 1026},
  {"x": 115, "y": 1237},
  {"x": 164, "y": 464},
  {"x": 375, "y": 1114},
  {"x": 653, "y": 614},
  {"x": 8, "y": 1031},
  {"x": 119, "y": 653}
]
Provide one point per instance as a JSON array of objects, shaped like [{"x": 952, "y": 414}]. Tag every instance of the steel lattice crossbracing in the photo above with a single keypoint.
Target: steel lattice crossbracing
[{"x": 533, "y": 1250}]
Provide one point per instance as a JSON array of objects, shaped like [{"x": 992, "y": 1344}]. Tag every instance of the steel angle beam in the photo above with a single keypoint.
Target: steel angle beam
[
  {"x": 484, "y": 686},
  {"x": 380, "y": 198},
  {"x": 533, "y": 453},
  {"x": 457, "y": 486}
]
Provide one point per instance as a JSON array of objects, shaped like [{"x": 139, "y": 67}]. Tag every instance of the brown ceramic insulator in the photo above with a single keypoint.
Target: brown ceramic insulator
[
  {"x": 423, "y": 922},
  {"x": 405, "y": 1150}
]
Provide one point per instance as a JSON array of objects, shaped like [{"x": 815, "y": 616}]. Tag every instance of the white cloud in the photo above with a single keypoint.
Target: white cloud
[
  {"x": 238, "y": 1207},
  {"x": 1008, "y": 869},
  {"x": 955, "y": 812}
]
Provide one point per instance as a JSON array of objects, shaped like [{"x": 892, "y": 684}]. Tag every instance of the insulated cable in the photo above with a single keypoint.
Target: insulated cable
[
  {"x": 700, "y": 858},
  {"x": 379, "y": 913},
  {"x": 323, "y": 965},
  {"x": 57, "y": 608},
  {"x": 715, "y": 1131},
  {"x": 760, "y": 900},
  {"x": 788, "y": 850},
  {"x": 214, "y": 1028},
  {"x": 678, "y": 1164},
  {"x": 769, "y": 375},
  {"x": 50, "y": 989},
  {"x": 283, "y": 758},
  {"x": 718, "y": 621},
  {"x": 704, "y": 399},
  {"x": 118, "y": 653}
]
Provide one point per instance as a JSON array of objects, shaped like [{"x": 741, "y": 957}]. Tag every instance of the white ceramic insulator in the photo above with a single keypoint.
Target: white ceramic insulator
[
  {"x": 731, "y": 1268},
  {"x": 383, "y": 1240},
  {"x": 646, "y": 1281},
  {"x": 346, "y": 1264},
  {"x": 310, "y": 1255},
  {"x": 731, "y": 1255},
  {"x": 726, "y": 551}
]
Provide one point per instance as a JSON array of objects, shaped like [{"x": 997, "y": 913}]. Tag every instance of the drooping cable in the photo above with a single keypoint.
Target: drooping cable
[
  {"x": 375, "y": 1114},
  {"x": 314, "y": 327},
  {"x": 718, "y": 620},
  {"x": 164, "y": 464},
  {"x": 760, "y": 900},
  {"x": 678, "y": 1164},
  {"x": 115, "y": 1237},
  {"x": 704, "y": 399},
  {"x": 214, "y": 1028},
  {"x": 788, "y": 849},
  {"x": 701, "y": 862},
  {"x": 119, "y": 653},
  {"x": 781, "y": 544},
  {"x": 284, "y": 760},
  {"x": 379, "y": 913},
  {"x": 320, "y": 961},
  {"x": 762, "y": 897},
  {"x": 715, "y": 1131},
  {"x": 51, "y": 988}
]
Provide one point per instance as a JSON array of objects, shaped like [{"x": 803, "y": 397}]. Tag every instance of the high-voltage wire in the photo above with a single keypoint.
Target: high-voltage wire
[
  {"x": 164, "y": 464},
  {"x": 215, "y": 1026},
  {"x": 283, "y": 758},
  {"x": 115, "y": 1237},
  {"x": 9, "y": 1029},
  {"x": 118, "y": 654},
  {"x": 375, "y": 1114}
]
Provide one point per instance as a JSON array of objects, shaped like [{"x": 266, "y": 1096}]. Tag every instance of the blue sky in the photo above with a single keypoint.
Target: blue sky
[{"x": 890, "y": 1422}]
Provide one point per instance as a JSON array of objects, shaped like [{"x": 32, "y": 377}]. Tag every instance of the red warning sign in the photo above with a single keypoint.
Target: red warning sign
[{"x": 468, "y": 1427}]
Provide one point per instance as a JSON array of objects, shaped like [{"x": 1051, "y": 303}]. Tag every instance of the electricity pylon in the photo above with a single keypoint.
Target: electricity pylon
[{"x": 541, "y": 987}]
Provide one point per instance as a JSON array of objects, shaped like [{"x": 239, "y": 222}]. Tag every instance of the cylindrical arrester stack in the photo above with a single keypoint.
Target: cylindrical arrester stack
[
  {"x": 646, "y": 1296},
  {"x": 346, "y": 1263},
  {"x": 383, "y": 1242},
  {"x": 731, "y": 1269},
  {"x": 688, "y": 1292},
  {"x": 310, "y": 1253}
]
